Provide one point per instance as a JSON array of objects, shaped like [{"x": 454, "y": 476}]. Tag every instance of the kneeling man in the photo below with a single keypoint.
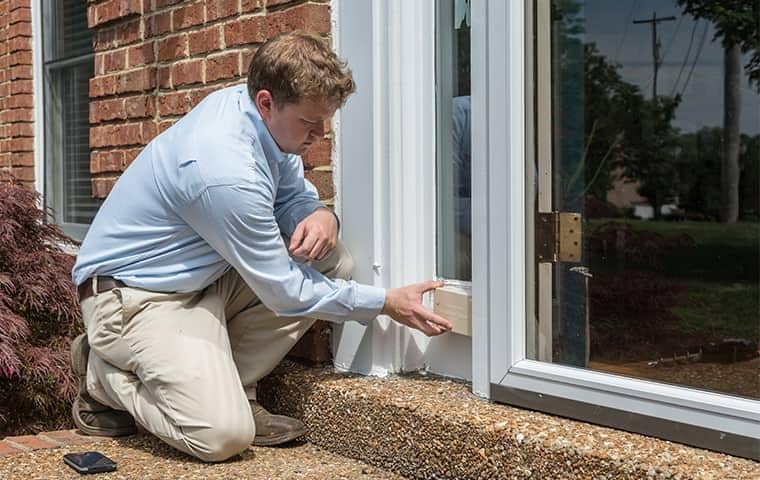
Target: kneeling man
[{"x": 212, "y": 256}]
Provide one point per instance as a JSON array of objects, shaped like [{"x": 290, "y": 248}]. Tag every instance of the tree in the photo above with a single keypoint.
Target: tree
[
  {"x": 699, "y": 164},
  {"x": 625, "y": 131},
  {"x": 656, "y": 144},
  {"x": 616, "y": 128},
  {"x": 609, "y": 102},
  {"x": 737, "y": 24}
]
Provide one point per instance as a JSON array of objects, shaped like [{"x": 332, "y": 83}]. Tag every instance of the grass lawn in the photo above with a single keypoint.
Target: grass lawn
[
  {"x": 721, "y": 310},
  {"x": 737, "y": 235},
  {"x": 721, "y": 272}
]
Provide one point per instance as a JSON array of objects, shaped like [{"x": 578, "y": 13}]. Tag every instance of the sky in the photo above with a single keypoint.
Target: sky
[{"x": 609, "y": 24}]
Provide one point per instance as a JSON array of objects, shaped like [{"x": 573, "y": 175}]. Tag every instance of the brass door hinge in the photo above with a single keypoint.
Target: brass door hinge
[{"x": 558, "y": 237}]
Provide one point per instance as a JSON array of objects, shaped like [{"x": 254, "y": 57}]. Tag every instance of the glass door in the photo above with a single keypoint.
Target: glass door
[
  {"x": 647, "y": 134},
  {"x": 613, "y": 291}
]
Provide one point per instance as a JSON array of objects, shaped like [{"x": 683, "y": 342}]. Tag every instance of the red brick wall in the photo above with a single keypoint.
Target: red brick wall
[
  {"x": 16, "y": 100},
  {"x": 156, "y": 59}
]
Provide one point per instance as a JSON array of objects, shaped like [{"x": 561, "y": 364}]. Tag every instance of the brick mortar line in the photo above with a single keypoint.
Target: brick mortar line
[
  {"x": 175, "y": 33},
  {"x": 181, "y": 88},
  {"x": 233, "y": 18}
]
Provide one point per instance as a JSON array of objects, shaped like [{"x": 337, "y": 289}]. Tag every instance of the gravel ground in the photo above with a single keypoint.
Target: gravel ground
[
  {"x": 145, "y": 457},
  {"x": 432, "y": 428}
]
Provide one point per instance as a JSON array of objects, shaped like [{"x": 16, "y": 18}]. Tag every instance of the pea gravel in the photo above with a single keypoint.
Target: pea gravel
[
  {"x": 432, "y": 428},
  {"x": 144, "y": 457}
]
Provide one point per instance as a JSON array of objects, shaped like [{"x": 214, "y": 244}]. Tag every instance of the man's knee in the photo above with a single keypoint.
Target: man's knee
[
  {"x": 340, "y": 264},
  {"x": 222, "y": 441}
]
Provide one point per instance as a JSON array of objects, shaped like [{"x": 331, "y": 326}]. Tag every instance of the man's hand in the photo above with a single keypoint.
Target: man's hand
[
  {"x": 316, "y": 236},
  {"x": 404, "y": 305}
]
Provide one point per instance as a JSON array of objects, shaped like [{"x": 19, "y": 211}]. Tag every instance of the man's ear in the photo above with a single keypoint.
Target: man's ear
[{"x": 265, "y": 103}]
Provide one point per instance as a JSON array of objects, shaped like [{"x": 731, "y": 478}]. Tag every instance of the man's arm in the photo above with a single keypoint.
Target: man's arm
[
  {"x": 238, "y": 222},
  {"x": 295, "y": 198},
  {"x": 311, "y": 227}
]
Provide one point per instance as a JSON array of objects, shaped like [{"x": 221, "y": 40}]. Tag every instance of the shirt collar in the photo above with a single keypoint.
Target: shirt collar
[{"x": 262, "y": 132}]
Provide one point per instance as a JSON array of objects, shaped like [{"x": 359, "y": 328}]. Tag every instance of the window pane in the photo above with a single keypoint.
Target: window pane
[
  {"x": 656, "y": 141},
  {"x": 79, "y": 206},
  {"x": 66, "y": 31},
  {"x": 453, "y": 163},
  {"x": 67, "y": 151}
]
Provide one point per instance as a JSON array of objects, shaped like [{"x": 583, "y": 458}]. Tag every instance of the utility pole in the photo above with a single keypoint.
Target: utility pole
[{"x": 655, "y": 47}]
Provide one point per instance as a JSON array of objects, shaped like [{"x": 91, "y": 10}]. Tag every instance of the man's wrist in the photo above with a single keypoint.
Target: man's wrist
[
  {"x": 335, "y": 215},
  {"x": 388, "y": 305}
]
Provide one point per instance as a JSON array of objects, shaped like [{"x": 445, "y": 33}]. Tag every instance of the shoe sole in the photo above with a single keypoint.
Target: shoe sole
[
  {"x": 97, "y": 431},
  {"x": 273, "y": 440}
]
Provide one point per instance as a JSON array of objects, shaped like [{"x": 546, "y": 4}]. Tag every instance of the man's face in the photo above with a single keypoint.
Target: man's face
[{"x": 294, "y": 126}]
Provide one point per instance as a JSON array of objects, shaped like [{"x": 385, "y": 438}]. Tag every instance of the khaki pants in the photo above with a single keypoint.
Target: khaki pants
[{"x": 184, "y": 365}]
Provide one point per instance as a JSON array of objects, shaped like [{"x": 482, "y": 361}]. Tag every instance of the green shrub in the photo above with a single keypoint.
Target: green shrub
[{"x": 39, "y": 315}]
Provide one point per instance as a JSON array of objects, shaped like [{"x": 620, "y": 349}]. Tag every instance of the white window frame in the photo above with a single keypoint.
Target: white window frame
[
  {"x": 50, "y": 195},
  {"x": 389, "y": 44},
  {"x": 38, "y": 99}
]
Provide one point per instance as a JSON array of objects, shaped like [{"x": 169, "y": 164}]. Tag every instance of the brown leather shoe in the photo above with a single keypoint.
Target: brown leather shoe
[
  {"x": 274, "y": 429},
  {"x": 90, "y": 416}
]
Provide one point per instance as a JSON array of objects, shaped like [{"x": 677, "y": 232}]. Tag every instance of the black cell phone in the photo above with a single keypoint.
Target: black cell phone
[{"x": 89, "y": 462}]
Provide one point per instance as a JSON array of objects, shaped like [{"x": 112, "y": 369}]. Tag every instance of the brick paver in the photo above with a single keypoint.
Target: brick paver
[
  {"x": 44, "y": 440},
  {"x": 29, "y": 442},
  {"x": 6, "y": 449},
  {"x": 68, "y": 437}
]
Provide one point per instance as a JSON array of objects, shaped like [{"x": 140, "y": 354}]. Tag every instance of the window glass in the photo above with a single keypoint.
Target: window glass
[
  {"x": 67, "y": 30},
  {"x": 453, "y": 162},
  {"x": 656, "y": 142},
  {"x": 68, "y": 60}
]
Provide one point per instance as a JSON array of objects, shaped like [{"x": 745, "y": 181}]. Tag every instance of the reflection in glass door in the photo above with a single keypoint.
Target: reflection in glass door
[
  {"x": 647, "y": 124},
  {"x": 453, "y": 190}
]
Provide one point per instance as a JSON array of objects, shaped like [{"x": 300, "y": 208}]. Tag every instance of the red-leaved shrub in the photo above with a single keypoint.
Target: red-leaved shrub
[{"x": 39, "y": 316}]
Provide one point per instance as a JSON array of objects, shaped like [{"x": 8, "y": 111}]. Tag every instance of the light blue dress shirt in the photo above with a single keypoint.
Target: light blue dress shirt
[{"x": 215, "y": 192}]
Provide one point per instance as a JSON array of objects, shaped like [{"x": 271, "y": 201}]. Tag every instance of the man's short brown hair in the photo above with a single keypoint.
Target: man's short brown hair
[{"x": 299, "y": 65}]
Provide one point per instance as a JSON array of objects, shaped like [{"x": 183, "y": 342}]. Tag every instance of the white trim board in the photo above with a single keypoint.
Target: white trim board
[
  {"x": 387, "y": 174},
  {"x": 38, "y": 99}
]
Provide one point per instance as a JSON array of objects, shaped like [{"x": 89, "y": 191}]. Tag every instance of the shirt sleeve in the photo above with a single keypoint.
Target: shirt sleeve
[
  {"x": 238, "y": 221},
  {"x": 296, "y": 198}
]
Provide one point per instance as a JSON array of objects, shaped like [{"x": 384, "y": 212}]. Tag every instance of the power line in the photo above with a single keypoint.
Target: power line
[
  {"x": 625, "y": 29},
  {"x": 673, "y": 37},
  {"x": 685, "y": 59},
  {"x": 696, "y": 57}
]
